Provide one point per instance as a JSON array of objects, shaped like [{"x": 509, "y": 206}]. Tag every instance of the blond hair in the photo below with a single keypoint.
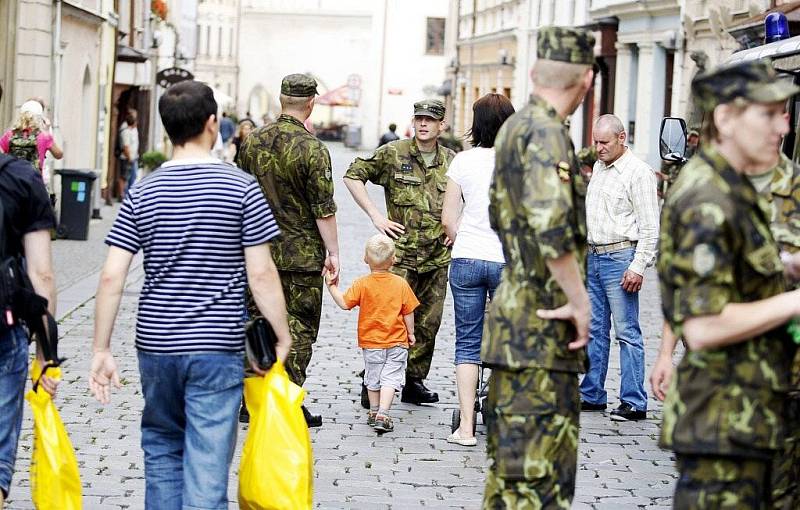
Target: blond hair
[
  {"x": 26, "y": 121},
  {"x": 379, "y": 251},
  {"x": 555, "y": 74}
]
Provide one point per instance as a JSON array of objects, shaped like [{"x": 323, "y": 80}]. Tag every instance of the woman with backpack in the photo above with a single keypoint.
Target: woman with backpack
[{"x": 30, "y": 138}]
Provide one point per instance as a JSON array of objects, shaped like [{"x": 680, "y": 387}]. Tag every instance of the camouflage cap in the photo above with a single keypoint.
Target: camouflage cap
[
  {"x": 754, "y": 80},
  {"x": 431, "y": 108},
  {"x": 299, "y": 85},
  {"x": 572, "y": 45}
]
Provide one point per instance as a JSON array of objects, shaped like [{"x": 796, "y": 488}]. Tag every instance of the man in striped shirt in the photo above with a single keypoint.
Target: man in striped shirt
[
  {"x": 622, "y": 228},
  {"x": 203, "y": 227}
]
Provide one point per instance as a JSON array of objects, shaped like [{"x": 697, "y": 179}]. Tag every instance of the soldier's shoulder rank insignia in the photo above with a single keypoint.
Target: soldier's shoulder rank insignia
[{"x": 563, "y": 171}]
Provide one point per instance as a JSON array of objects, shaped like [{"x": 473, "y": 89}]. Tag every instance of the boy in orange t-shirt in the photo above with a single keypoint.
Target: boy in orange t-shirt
[{"x": 385, "y": 327}]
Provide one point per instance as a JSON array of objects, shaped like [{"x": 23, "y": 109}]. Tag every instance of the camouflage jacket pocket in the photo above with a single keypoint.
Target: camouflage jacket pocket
[
  {"x": 406, "y": 190},
  {"x": 754, "y": 418}
]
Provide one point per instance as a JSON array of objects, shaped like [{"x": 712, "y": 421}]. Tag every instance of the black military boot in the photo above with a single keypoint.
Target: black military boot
[
  {"x": 364, "y": 393},
  {"x": 312, "y": 420},
  {"x": 415, "y": 392},
  {"x": 364, "y": 396}
]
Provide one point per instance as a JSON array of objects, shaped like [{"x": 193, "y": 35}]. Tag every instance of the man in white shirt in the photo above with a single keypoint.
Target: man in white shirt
[{"x": 622, "y": 224}]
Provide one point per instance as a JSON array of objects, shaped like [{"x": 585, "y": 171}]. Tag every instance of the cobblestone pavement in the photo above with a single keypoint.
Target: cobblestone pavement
[{"x": 414, "y": 467}]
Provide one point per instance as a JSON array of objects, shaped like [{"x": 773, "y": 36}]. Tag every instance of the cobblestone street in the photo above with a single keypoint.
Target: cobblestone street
[{"x": 620, "y": 464}]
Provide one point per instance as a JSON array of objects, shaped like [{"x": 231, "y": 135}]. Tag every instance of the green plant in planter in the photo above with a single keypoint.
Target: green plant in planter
[{"x": 152, "y": 159}]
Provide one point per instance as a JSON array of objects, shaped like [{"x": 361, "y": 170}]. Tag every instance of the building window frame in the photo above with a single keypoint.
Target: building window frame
[{"x": 434, "y": 35}]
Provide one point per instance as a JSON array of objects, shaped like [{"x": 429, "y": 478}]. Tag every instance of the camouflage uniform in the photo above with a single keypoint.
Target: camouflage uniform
[
  {"x": 724, "y": 414},
  {"x": 294, "y": 170},
  {"x": 414, "y": 193},
  {"x": 784, "y": 197},
  {"x": 537, "y": 208}
]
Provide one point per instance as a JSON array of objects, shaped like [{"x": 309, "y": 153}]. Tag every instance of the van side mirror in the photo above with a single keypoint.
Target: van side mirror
[{"x": 673, "y": 139}]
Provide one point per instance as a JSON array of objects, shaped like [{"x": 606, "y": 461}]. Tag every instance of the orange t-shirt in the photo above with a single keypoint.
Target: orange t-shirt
[{"x": 384, "y": 298}]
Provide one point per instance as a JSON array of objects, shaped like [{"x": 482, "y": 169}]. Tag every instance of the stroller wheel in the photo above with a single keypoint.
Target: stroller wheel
[{"x": 455, "y": 422}]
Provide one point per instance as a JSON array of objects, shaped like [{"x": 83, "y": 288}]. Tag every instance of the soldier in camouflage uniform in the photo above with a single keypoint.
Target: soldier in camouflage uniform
[
  {"x": 294, "y": 170},
  {"x": 724, "y": 291},
  {"x": 538, "y": 320},
  {"x": 412, "y": 173}
]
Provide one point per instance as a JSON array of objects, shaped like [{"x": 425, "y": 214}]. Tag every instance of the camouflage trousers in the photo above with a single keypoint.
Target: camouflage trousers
[
  {"x": 303, "y": 293},
  {"x": 430, "y": 288},
  {"x": 708, "y": 482},
  {"x": 532, "y": 439},
  {"x": 786, "y": 466}
]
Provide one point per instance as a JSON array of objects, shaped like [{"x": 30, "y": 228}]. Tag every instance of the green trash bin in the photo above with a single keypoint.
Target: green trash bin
[{"x": 76, "y": 204}]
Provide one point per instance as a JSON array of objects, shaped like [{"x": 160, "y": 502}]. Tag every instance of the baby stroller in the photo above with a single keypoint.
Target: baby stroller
[{"x": 480, "y": 404}]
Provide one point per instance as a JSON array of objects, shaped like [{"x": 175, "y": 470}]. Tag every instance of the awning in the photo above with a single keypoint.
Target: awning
[{"x": 340, "y": 96}]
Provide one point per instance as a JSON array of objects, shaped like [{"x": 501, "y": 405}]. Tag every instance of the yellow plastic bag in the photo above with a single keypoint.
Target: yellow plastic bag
[
  {"x": 55, "y": 481},
  {"x": 277, "y": 468}
]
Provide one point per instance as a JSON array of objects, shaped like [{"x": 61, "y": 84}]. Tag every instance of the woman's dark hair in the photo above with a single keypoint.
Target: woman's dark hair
[
  {"x": 488, "y": 114},
  {"x": 185, "y": 108}
]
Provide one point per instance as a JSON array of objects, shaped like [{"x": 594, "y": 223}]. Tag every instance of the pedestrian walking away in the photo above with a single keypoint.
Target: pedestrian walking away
[
  {"x": 129, "y": 155},
  {"x": 389, "y": 136},
  {"x": 412, "y": 174},
  {"x": 538, "y": 320},
  {"x": 385, "y": 327},
  {"x": 293, "y": 169},
  {"x": 204, "y": 228},
  {"x": 27, "y": 218},
  {"x": 31, "y": 139},
  {"x": 622, "y": 226},
  {"x": 477, "y": 257},
  {"x": 723, "y": 291}
]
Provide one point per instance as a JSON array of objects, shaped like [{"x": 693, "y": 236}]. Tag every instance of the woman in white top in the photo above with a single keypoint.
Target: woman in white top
[{"x": 477, "y": 257}]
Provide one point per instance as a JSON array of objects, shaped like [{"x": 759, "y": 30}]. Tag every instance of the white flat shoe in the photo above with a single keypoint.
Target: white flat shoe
[{"x": 463, "y": 441}]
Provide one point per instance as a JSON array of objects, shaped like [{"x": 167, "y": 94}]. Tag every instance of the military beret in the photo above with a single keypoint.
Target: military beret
[
  {"x": 431, "y": 108},
  {"x": 299, "y": 85},
  {"x": 754, "y": 80},
  {"x": 572, "y": 45}
]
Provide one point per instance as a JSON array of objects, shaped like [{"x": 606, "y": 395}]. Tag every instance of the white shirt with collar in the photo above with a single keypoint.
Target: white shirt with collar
[{"x": 622, "y": 205}]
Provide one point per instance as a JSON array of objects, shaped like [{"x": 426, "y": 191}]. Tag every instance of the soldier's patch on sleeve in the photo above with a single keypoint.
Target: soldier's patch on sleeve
[
  {"x": 328, "y": 174},
  {"x": 703, "y": 259},
  {"x": 563, "y": 171}
]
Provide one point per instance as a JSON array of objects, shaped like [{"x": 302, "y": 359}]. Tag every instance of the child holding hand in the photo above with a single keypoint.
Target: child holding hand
[{"x": 385, "y": 327}]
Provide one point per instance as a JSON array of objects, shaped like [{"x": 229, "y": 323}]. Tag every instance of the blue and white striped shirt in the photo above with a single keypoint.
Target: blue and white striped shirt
[{"x": 192, "y": 220}]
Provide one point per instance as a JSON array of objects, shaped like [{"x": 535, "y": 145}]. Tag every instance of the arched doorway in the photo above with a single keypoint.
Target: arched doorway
[{"x": 88, "y": 103}]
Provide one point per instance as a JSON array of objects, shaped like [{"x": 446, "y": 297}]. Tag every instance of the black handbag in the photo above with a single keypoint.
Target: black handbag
[{"x": 260, "y": 343}]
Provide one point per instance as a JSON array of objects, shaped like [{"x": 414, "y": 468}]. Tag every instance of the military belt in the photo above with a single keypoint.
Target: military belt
[{"x": 600, "y": 249}]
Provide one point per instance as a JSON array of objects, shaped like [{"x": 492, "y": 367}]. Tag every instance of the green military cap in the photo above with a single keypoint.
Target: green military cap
[
  {"x": 572, "y": 45},
  {"x": 431, "y": 108},
  {"x": 299, "y": 85},
  {"x": 754, "y": 80}
]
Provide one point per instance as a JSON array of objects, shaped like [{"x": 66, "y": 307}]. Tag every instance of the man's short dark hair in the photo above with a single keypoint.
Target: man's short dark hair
[
  {"x": 185, "y": 108},
  {"x": 488, "y": 114},
  {"x": 392, "y": 127}
]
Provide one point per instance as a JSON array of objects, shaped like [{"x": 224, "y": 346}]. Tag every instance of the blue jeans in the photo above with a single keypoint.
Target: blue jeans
[
  {"x": 13, "y": 372},
  {"x": 471, "y": 281},
  {"x": 189, "y": 425},
  {"x": 610, "y": 301},
  {"x": 131, "y": 169}
]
